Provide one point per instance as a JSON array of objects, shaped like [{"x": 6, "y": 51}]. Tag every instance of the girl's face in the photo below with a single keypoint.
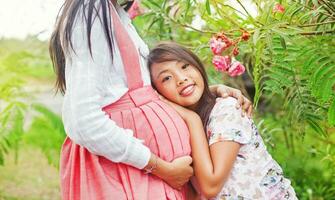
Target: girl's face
[{"x": 178, "y": 82}]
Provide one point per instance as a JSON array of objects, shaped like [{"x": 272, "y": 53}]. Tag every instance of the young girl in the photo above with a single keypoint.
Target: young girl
[{"x": 232, "y": 162}]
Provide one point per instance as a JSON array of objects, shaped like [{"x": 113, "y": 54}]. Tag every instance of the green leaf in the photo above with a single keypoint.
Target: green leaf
[
  {"x": 316, "y": 127},
  {"x": 255, "y": 36},
  {"x": 282, "y": 42},
  {"x": 208, "y": 7},
  {"x": 2, "y": 159},
  {"x": 188, "y": 5},
  {"x": 154, "y": 3},
  {"x": 320, "y": 71},
  {"x": 295, "y": 12},
  {"x": 327, "y": 89},
  {"x": 331, "y": 113},
  {"x": 4, "y": 147}
]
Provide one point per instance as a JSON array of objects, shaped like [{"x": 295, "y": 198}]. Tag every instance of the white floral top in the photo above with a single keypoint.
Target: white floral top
[{"x": 255, "y": 175}]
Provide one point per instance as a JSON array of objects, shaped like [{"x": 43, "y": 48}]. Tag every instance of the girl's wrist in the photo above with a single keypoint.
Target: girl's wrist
[
  {"x": 158, "y": 167},
  {"x": 164, "y": 169}
]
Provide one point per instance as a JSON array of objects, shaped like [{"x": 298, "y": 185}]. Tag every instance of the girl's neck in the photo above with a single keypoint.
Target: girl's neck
[{"x": 194, "y": 106}]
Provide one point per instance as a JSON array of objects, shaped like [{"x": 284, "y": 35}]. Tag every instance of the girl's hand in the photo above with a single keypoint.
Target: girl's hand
[
  {"x": 175, "y": 173},
  {"x": 225, "y": 91},
  {"x": 180, "y": 172}
]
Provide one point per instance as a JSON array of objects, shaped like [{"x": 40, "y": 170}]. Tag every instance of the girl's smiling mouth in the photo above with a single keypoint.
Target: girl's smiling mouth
[{"x": 187, "y": 90}]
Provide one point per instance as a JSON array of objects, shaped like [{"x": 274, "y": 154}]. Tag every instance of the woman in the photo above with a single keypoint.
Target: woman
[{"x": 123, "y": 142}]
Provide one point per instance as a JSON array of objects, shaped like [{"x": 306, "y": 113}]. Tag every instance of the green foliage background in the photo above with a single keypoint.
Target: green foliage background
[
  {"x": 21, "y": 64},
  {"x": 290, "y": 77}
]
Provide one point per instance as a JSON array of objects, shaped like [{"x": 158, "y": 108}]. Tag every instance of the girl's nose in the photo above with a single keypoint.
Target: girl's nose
[{"x": 182, "y": 80}]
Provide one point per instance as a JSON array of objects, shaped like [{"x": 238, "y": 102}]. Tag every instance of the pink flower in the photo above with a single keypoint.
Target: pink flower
[
  {"x": 245, "y": 35},
  {"x": 236, "y": 69},
  {"x": 221, "y": 63},
  {"x": 134, "y": 10},
  {"x": 217, "y": 45},
  {"x": 278, "y": 8},
  {"x": 236, "y": 51},
  {"x": 226, "y": 40}
]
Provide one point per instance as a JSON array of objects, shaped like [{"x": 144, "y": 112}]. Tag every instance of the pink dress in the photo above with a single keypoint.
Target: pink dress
[{"x": 85, "y": 176}]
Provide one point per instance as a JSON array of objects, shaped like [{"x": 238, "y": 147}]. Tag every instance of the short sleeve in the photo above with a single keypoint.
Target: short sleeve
[{"x": 227, "y": 124}]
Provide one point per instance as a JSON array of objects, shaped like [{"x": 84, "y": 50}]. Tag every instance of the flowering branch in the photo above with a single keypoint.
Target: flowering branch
[{"x": 193, "y": 28}]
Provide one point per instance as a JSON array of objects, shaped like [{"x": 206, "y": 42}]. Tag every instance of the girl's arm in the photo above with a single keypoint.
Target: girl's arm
[{"x": 212, "y": 164}]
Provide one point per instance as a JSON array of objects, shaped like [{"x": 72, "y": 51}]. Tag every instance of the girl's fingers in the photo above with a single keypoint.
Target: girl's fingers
[
  {"x": 247, "y": 108},
  {"x": 250, "y": 111},
  {"x": 224, "y": 94},
  {"x": 240, "y": 98},
  {"x": 246, "y": 104}
]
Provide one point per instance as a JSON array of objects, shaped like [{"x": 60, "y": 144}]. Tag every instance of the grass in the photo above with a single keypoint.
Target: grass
[{"x": 32, "y": 178}]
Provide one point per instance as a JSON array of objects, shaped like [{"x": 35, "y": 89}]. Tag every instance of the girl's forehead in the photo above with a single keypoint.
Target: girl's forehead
[{"x": 168, "y": 64}]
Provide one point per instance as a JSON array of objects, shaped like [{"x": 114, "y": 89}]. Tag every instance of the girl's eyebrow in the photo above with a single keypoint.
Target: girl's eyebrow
[{"x": 162, "y": 72}]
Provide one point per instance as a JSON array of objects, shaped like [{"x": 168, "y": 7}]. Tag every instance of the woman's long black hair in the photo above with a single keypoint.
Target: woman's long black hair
[{"x": 60, "y": 40}]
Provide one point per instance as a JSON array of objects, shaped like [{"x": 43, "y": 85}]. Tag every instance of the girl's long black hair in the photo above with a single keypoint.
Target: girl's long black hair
[{"x": 60, "y": 41}]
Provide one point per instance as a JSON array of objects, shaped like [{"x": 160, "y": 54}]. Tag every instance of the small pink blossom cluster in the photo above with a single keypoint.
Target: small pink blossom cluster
[
  {"x": 224, "y": 64},
  {"x": 220, "y": 43},
  {"x": 278, "y": 8}
]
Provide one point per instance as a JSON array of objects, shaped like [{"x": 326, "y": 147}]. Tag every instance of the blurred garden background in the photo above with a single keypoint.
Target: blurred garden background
[{"x": 287, "y": 46}]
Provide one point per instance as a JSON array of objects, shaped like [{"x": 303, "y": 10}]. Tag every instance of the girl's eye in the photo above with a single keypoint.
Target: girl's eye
[
  {"x": 185, "y": 66},
  {"x": 166, "y": 78}
]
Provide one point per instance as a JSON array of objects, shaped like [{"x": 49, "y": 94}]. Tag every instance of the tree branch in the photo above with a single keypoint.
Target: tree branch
[
  {"x": 317, "y": 32},
  {"x": 316, "y": 24}
]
